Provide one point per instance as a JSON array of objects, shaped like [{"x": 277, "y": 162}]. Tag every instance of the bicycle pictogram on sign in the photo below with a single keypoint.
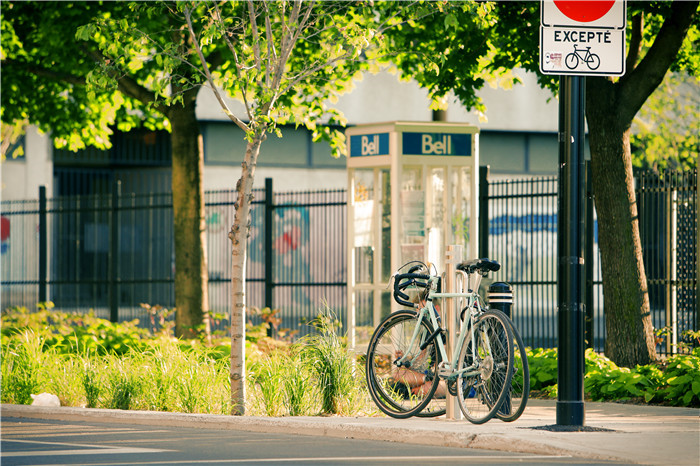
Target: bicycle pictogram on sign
[{"x": 590, "y": 59}]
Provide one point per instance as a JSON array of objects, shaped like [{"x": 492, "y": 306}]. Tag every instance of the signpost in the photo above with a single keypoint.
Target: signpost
[
  {"x": 583, "y": 38},
  {"x": 577, "y": 39}
]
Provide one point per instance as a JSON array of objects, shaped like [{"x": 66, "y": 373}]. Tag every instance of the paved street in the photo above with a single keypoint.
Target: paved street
[{"x": 54, "y": 442}]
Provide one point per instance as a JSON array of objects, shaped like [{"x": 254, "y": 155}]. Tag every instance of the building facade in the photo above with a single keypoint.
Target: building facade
[{"x": 518, "y": 137}]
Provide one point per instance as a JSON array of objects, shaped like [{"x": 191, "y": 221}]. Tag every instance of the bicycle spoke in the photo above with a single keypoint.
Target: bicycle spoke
[
  {"x": 491, "y": 354},
  {"x": 401, "y": 379}
]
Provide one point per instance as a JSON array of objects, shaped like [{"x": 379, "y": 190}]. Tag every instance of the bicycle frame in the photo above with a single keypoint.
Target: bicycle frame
[{"x": 472, "y": 303}]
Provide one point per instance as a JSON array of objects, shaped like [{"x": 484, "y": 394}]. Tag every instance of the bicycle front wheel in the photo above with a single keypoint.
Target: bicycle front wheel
[
  {"x": 519, "y": 390},
  {"x": 401, "y": 387},
  {"x": 486, "y": 357}
]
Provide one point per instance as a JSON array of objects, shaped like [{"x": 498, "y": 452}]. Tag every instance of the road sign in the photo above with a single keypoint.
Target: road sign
[{"x": 583, "y": 38}]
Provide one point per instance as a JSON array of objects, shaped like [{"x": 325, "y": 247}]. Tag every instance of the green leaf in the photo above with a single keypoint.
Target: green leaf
[
  {"x": 696, "y": 387},
  {"x": 451, "y": 21}
]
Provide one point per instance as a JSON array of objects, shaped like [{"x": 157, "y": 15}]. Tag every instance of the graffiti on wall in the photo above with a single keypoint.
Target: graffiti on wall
[{"x": 4, "y": 234}]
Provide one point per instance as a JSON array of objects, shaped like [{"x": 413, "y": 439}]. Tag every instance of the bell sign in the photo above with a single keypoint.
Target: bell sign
[{"x": 584, "y": 38}]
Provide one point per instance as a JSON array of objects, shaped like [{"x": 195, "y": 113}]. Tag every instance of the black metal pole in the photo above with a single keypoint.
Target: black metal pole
[
  {"x": 570, "y": 409},
  {"x": 269, "y": 226},
  {"x": 484, "y": 211},
  {"x": 43, "y": 247},
  {"x": 114, "y": 253}
]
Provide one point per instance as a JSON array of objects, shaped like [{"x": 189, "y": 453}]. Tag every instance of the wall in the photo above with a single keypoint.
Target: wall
[
  {"x": 518, "y": 137},
  {"x": 22, "y": 177}
]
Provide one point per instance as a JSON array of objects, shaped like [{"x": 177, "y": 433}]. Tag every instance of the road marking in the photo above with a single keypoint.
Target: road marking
[
  {"x": 387, "y": 459},
  {"x": 80, "y": 433},
  {"x": 87, "y": 449}
]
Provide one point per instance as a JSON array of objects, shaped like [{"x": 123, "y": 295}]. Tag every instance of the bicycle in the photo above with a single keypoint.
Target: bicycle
[
  {"x": 590, "y": 59},
  {"x": 518, "y": 392},
  {"x": 407, "y": 361}
]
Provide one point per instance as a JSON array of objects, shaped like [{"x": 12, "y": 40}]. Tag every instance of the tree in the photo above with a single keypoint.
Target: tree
[
  {"x": 67, "y": 69},
  {"x": 661, "y": 36},
  {"x": 289, "y": 59}
]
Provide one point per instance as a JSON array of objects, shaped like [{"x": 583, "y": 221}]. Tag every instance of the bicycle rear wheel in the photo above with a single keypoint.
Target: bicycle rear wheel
[
  {"x": 488, "y": 359},
  {"x": 403, "y": 391},
  {"x": 519, "y": 390}
]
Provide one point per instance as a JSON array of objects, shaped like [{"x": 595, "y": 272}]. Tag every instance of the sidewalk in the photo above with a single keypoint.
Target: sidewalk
[{"x": 630, "y": 433}]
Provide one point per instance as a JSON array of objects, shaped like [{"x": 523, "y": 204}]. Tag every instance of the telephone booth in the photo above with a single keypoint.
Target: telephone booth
[{"x": 412, "y": 191}]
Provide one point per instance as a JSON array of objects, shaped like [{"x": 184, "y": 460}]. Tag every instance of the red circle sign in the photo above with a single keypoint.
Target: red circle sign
[{"x": 584, "y": 11}]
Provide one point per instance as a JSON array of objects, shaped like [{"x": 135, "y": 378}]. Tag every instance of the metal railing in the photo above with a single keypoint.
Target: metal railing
[
  {"x": 522, "y": 234},
  {"x": 113, "y": 251}
]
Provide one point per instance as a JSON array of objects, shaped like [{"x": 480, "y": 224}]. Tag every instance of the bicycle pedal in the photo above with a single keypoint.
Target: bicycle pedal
[{"x": 452, "y": 387}]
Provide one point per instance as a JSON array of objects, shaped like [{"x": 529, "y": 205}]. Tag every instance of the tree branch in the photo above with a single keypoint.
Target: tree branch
[
  {"x": 637, "y": 84},
  {"x": 236, "y": 62},
  {"x": 207, "y": 72},
  {"x": 635, "y": 42}
]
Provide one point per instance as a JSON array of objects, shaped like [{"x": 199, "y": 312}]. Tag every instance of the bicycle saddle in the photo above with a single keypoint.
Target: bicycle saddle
[{"x": 483, "y": 265}]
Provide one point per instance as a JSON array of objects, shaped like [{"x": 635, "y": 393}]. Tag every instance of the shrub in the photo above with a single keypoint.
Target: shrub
[
  {"x": 22, "y": 360},
  {"x": 332, "y": 366},
  {"x": 543, "y": 368},
  {"x": 680, "y": 382}
]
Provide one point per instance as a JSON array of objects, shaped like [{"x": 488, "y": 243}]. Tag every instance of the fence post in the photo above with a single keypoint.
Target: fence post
[
  {"x": 114, "y": 252},
  {"x": 43, "y": 247},
  {"x": 269, "y": 219},
  {"x": 589, "y": 239},
  {"x": 484, "y": 211},
  {"x": 671, "y": 254}
]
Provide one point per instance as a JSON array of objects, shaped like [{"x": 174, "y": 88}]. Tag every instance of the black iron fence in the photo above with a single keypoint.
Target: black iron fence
[
  {"x": 522, "y": 235},
  {"x": 111, "y": 252}
]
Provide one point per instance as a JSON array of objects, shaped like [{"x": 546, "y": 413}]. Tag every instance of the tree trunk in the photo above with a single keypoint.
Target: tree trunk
[
  {"x": 191, "y": 274},
  {"x": 239, "y": 238},
  {"x": 610, "y": 108},
  {"x": 630, "y": 335}
]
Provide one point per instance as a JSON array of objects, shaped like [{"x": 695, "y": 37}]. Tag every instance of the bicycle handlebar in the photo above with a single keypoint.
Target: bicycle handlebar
[{"x": 403, "y": 281}]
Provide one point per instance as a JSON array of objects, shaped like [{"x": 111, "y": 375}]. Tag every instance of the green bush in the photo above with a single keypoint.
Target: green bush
[
  {"x": 90, "y": 362},
  {"x": 71, "y": 333},
  {"x": 22, "y": 361},
  {"x": 93, "y": 363},
  {"x": 675, "y": 381},
  {"x": 332, "y": 367},
  {"x": 680, "y": 382},
  {"x": 543, "y": 368}
]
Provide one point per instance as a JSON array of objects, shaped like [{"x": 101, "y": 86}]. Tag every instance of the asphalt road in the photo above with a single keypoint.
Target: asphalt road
[{"x": 54, "y": 442}]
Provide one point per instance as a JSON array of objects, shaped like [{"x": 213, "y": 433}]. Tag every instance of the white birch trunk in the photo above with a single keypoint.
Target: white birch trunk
[{"x": 239, "y": 236}]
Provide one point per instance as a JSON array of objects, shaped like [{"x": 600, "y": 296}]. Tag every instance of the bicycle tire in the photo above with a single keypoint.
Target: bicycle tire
[
  {"x": 519, "y": 391},
  {"x": 481, "y": 395},
  {"x": 389, "y": 386}
]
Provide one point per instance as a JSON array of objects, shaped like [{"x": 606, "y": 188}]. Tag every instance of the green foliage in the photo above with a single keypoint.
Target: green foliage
[
  {"x": 69, "y": 333},
  {"x": 160, "y": 373},
  {"x": 680, "y": 384},
  {"x": 49, "y": 77},
  {"x": 543, "y": 368},
  {"x": 123, "y": 383},
  {"x": 282, "y": 382},
  {"x": 331, "y": 365},
  {"x": 664, "y": 133},
  {"x": 22, "y": 359},
  {"x": 675, "y": 381},
  {"x": 90, "y": 378}
]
